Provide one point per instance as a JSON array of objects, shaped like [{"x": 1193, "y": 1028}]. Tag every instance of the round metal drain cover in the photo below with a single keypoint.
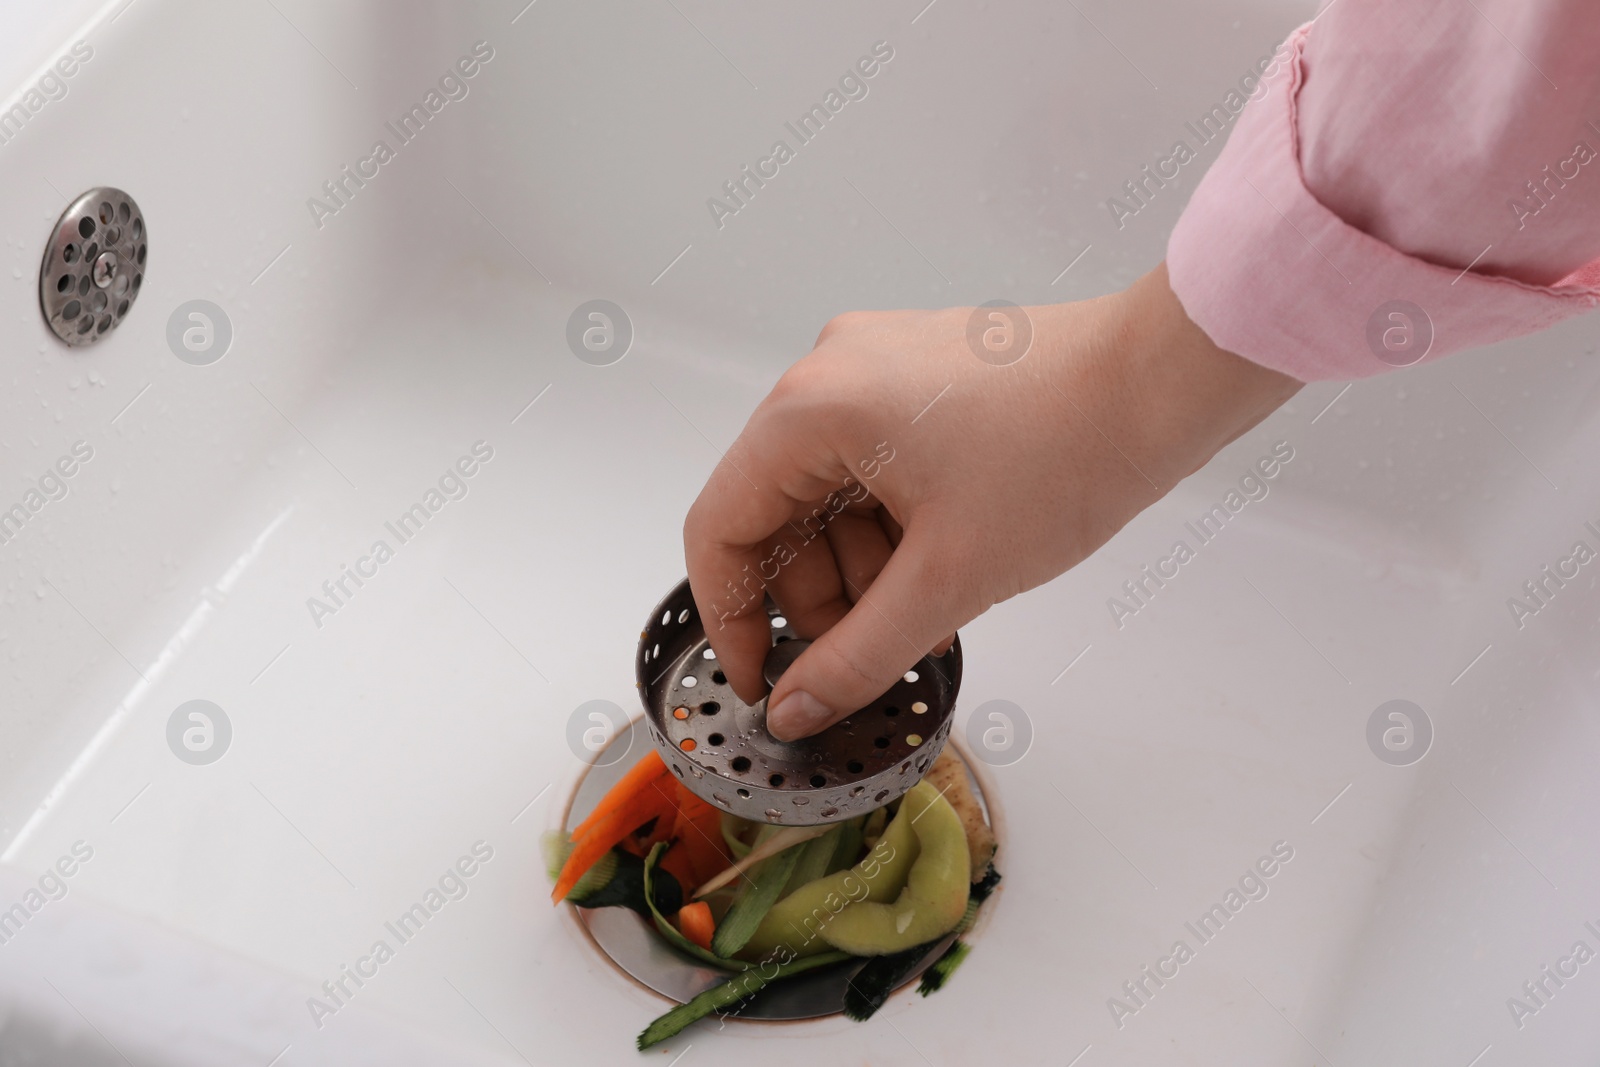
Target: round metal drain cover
[
  {"x": 93, "y": 266},
  {"x": 720, "y": 748}
]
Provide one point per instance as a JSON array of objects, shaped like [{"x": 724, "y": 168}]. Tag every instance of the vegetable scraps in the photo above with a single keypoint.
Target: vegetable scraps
[{"x": 879, "y": 892}]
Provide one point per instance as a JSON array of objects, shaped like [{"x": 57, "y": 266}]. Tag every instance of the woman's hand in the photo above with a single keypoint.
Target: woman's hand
[{"x": 894, "y": 485}]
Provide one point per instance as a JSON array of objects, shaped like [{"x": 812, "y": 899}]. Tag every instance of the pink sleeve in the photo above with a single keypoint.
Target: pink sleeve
[{"x": 1408, "y": 180}]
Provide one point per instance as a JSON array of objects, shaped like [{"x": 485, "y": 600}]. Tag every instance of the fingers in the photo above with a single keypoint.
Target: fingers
[
  {"x": 914, "y": 604},
  {"x": 860, "y": 550},
  {"x": 726, "y": 546}
]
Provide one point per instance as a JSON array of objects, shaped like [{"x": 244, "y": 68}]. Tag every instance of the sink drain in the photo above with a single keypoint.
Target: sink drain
[
  {"x": 638, "y": 951},
  {"x": 720, "y": 748},
  {"x": 93, "y": 266}
]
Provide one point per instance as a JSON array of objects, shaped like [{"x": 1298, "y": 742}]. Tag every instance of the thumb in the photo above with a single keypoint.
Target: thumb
[{"x": 912, "y": 606}]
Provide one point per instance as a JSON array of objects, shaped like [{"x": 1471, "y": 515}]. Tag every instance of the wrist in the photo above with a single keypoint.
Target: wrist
[{"x": 1192, "y": 397}]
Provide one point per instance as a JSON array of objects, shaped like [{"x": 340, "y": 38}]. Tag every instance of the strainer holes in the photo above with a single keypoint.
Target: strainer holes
[
  {"x": 710, "y": 707},
  {"x": 818, "y": 781},
  {"x": 880, "y": 742},
  {"x": 714, "y": 739},
  {"x": 779, "y": 622},
  {"x": 680, "y": 713},
  {"x": 922, "y": 764},
  {"x": 124, "y": 211},
  {"x": 740, "y": 764},
  {"x": 878, "y": 799},
  {"x": 687, "y": 744},
  {"x": 113, "y": 235},
  {"x": 86, "y": 324},
  {"x": 683, "y": 616},
  {"x": 107, "y": 213},
  {"x": 855, "y": 766},
  {"x": 906, "y": 766},
  {"x": 104, "y": 325},
  {"x": 775, "y": 780},
  {"x": 69, "y": 254},
  {"x": 655, "y": 653},
  {"x": 71, "y": 310},
  {"x": 138, "y": 280},
  {"x": 138, "y": 229},
  {"x": 64, "y": 283},
  {"x": 666, "y": 616},
  {"x": 122, "y": 309},
  {"x": 677, "y": 770},
  {"x": 689, "y": 681},
  {"x": 718, "y": 677},
  {"x": 891, "y": 711},
  {"x": 98, "y": 301},
  {"x": 744, "y": 793},
  {"x": 858, "y": 790},
  {"x": 83, "y": 285},
  {"x": 709, "y": 653},
  {"x": 910, "y": 676},
  {"x": 782, "y": 638},
  {"x": 86, "y": 227}
]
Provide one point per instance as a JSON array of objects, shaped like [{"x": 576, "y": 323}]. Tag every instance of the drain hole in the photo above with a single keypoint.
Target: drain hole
[
  {"x": 891, "y": 711},
  {"x": 70, "y": 253},
  {"x": 85, "y": 227},
  {"x": 718, "y": 677},
  {"x": 881, "y": 742},
  {"x": 818, "y": 781},
  {"x": 113, "y": 235},
  {"x": 105, "y": 324},
  {"x": 71, "y": 310},
  {"x": 775, "y": 781},
  {"x": 106, "y": 214},
  {"x": 858, "y": 790},
  {"x": 122, "y": 309},
  {"x": 63, "y": 284},
  {"x": 99, "y": 302},
  {"x": 743, "y": 792},
  {"x": 740, "y": 764},
  {"x": 710, "y": 707},
  {"x": 141, "y": 259},
  {"x": 83, "y": 285},
  {"x": 881, "y": 794},
  {"x": 687, "y": 744},
  {"x": 86, "y": 324},
  {"x": 714, "y": 740},
  {"x": 123, "y": 211},
  {"x": 138, "y": 280},
  {"x": 138, "y": 228},
  {"x": 678, "y": 770},
  {"x": 855, "y": 766},
  {"x": 683, "y": 616}
]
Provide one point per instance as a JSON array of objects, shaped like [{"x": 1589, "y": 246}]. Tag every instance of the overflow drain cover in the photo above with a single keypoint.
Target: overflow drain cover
[{"x": 93, "y": 266}]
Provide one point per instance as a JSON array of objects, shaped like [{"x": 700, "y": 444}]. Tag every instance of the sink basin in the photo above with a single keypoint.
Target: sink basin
[{"x": 377, "y": 721}]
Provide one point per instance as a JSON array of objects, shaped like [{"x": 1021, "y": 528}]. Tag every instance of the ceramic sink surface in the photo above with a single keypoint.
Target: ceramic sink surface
[{"x": 420, "y": 318}]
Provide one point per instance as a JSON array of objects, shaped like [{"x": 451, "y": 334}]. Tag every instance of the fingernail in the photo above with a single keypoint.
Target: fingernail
[{"x": 797, "y": 715}]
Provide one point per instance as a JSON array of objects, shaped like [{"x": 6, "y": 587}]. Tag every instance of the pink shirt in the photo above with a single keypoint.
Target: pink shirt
[{"x": 1415, "y": 177}]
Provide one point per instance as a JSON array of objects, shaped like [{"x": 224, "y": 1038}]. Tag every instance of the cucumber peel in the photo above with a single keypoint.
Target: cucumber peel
[{"x": 726, "y": 995}]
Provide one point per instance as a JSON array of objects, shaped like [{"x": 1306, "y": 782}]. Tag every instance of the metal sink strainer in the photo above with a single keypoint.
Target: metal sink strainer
[
  {"x": 720, "y": 748},
  {"x": 93, "y": 266}
]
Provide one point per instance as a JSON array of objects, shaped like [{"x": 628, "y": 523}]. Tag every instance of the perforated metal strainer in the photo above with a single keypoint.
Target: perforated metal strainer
[{"x": 720, "y": 748}]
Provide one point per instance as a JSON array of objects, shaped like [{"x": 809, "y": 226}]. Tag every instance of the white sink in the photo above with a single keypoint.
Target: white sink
[{"x": 429, "y": 711}]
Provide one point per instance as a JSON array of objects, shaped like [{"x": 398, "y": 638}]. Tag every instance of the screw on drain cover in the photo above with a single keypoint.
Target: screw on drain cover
[
  {"x": 93, "y": 266},
  {"x": 720, "y": 748}
]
